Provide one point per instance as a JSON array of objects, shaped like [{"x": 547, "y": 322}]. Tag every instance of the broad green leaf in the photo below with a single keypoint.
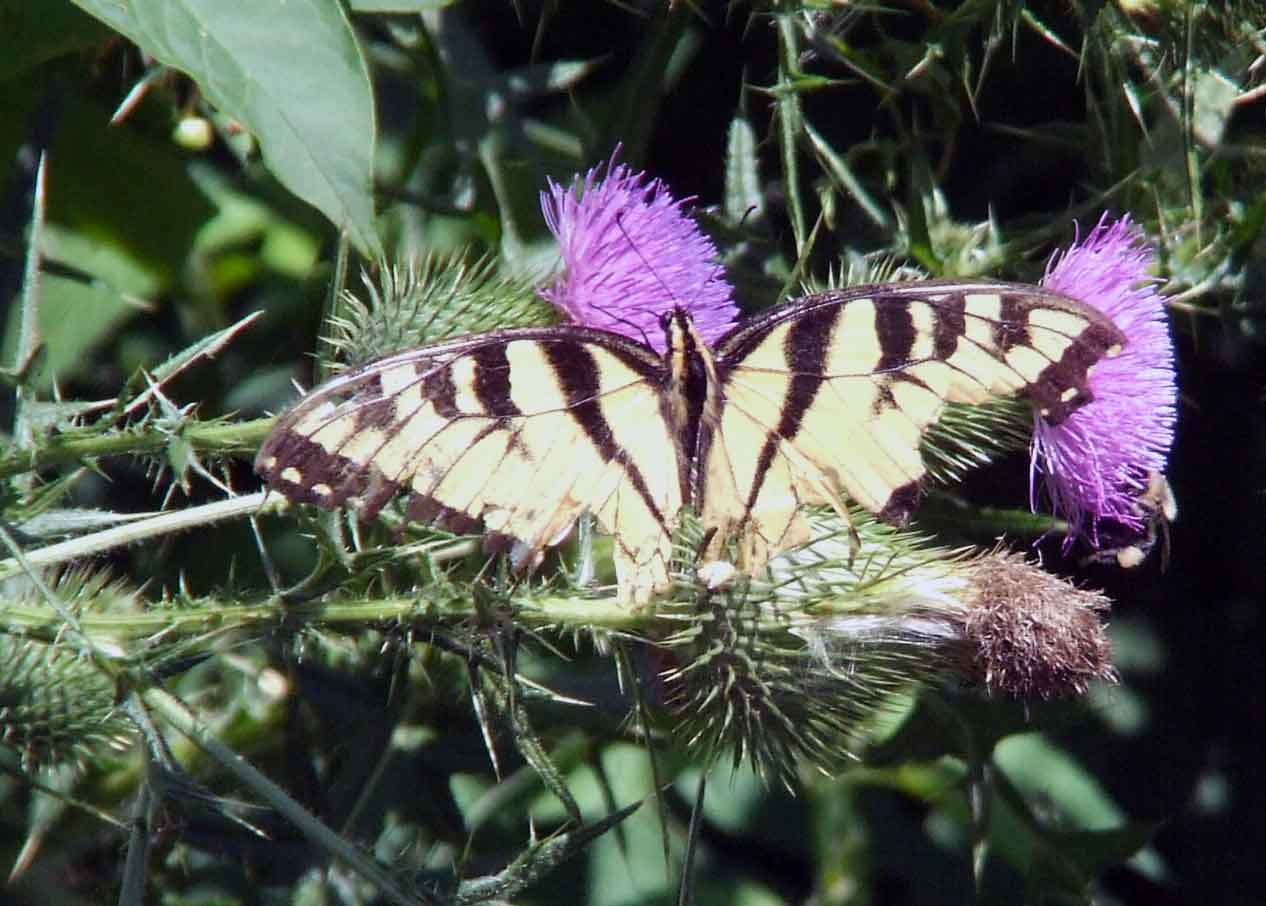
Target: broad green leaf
[
  {"x": 1053, "y": 858},
  {"x": 292, "y": 73},
  {"x": 1040, "y": 770}
]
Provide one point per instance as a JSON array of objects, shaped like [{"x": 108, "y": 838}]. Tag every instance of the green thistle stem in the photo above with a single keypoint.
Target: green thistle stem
[
  {"x": 986, "y": 522},
  {"x": 41, "y": 623},
  {"x": 215, "y": 437},
  {"x": 28, "y": 320}
]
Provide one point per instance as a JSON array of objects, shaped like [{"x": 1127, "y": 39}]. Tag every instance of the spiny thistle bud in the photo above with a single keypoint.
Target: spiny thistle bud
[
  {"x": 428, "y": 299},
  {"x": 55, "y": 706},
  {"x": 789, "y": 669},
  {"x": 995, "y": 621}
]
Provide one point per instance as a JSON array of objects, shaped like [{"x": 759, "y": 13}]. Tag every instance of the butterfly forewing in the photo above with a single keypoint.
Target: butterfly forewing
[
  {"x": 518, "y": 430},
  {"x": 827, "y": 399}
]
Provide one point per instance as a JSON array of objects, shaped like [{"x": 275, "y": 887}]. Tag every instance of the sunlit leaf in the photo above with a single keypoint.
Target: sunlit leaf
[{"x": 292, "y": 73}]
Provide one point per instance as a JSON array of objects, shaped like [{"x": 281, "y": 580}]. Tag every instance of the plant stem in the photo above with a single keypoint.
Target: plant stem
[
  {"x": 39, "y": 621},
  {"x": 790, "y": 122},
  {"x": 215, "y": 437}
]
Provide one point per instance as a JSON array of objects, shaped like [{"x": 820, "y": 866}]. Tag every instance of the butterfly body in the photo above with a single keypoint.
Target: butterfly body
[{"x": 820, "y": 401}]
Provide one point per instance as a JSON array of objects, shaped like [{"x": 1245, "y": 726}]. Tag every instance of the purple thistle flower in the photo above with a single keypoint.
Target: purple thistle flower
[
  {"x": 630, "y": 253},
  {"x": 1099, "y": 460}
]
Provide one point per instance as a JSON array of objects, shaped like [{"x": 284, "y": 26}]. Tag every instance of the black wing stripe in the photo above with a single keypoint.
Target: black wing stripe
[
  {"x": 825, "y": 443},
  {"x": 805, "y": 349},
  {"x": 438, "y": 389},
  {"x": 949, "y": 325},
  {"x": 1071, "y": 371},
  {"x": 1012, "y": 327},
  {"x": 894, "y": 327},
  {"x": 577, "y": 371},
  {"x": 1048, "y": 391},
  {"x": 492, "y": 381}
]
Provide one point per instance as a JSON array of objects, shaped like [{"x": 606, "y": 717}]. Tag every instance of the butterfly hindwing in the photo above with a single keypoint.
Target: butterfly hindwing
[
  {"x": 519, "y": 430},
  {"x": 827, "y": 399}
]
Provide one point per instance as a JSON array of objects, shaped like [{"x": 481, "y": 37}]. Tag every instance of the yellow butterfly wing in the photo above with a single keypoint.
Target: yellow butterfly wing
[
  {"x": 826, "y": 400},
  {"x": 520, "y": 430}
]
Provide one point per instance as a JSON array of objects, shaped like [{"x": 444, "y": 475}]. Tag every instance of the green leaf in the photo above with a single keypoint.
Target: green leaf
[
  {"x": 292, "y": 73},
  {"x": 1038, "y": 768},
  {"x": 1095, "y": 851},
  {"x": 74, "y": 316},
  {"x": 742, "y": 173},
  {"x": 1051, "y": 858},
  {"x": 206, "y": 348},
  {"x": 846, "y": 180}
]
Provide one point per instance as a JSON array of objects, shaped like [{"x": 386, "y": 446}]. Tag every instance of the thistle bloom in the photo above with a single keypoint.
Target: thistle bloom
[
  {"x": 630, "y": 252},
  {"x": 1099, "y": 460}
]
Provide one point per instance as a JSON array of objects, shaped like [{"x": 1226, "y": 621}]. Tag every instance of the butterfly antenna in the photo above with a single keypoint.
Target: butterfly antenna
[
  {"x": 668, "y": 293},
  {"x": 667, "y": 290},
  {"x": 641, "y": 309}
]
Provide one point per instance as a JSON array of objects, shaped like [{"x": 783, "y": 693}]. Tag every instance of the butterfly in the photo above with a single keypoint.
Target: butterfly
[{"x": 820, "y": 401}]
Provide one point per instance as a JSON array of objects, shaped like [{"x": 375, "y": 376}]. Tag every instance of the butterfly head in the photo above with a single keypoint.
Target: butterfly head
[
  {"x": 681, "y": 340},
  {"x": 677, "y": 326}
]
